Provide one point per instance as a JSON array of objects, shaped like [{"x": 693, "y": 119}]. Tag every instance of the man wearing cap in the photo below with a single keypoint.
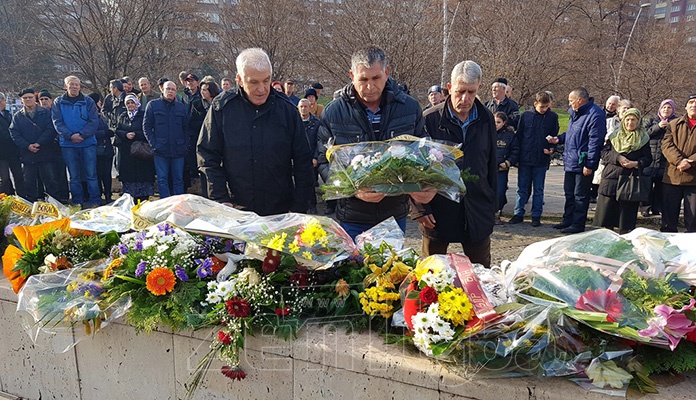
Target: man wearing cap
[
  {"x": 370, "y": 108},
  {"x": 58, "y": 164},
  {"x": 290, "y": 91},
  {"x": 435, "y": 96},
  {"x": 501, "y": 103},
  {"x": 319, "y": 88},
  {"x": 314, "y": 107},
  {"x": 45, "y": 99},
  {"x": 33, "y": 132},
  {"x": 76, "y": 120},
  {"x": 679, "y": 148},
  {"x": 253, "y": 149},
  {"x": 9, "y": 154}
]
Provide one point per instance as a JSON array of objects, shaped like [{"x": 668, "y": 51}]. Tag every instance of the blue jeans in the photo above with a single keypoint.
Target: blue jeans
[
  {"x": 82, "y": 165},
  {"x": 166, "y": 167},
  {"x": 355, "y": 229},
  {"x": 576, "y": 188},
  {"x": 528, "y": 178},
  {"x": 502, "y": 188}
]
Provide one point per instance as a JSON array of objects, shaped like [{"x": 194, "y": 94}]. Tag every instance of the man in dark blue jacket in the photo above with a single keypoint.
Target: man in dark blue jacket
[
  {"x": 252, "y": 148},
  {"x": 76, "y": 120},
  {"x": 311, "y": 125},
  {"x": 583, "y": 140},
  {"x": 533, "y": 156},
  {"x": 371, "y": 108},
  {"x": 9, "y": 153},
  {"x": 166, "y": 127},
  {"x": 33, "y": 132}
]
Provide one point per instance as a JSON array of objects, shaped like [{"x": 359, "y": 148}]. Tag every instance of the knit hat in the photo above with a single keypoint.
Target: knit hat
[
  {"x": 310, "y": 92},
  {"x": 317, "y": 85},
  {"x": 26, "y": 91},
  {"x": 94, "y": 96},
  {"x": 45, "y": 93},
  {"x": 435, "y": 88}
]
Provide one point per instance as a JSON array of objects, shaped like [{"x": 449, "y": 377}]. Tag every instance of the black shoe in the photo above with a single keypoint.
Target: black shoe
[
  {"x": 573, "y": 229},
  {"x": 516, "y": 219},
  {"x": 329, "y": 210},
  {"x": 562, "y": 225},
  {"x": 536, "y": 221}
]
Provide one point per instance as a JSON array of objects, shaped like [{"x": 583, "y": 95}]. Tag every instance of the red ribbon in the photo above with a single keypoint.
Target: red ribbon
[{"x": 469, "y": 282}]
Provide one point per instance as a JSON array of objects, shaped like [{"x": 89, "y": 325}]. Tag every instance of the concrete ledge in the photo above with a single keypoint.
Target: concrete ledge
[{"x": 323, "y": 363}]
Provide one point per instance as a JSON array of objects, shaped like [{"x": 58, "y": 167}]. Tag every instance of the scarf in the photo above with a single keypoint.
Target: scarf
[
  {"x": 131, "y": 114},
  {"x": 659, "y": 110},
  {"x": 624, "y": 141}
]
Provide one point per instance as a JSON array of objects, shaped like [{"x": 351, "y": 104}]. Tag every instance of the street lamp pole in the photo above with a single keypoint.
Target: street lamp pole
[{"x": 628, "y": 42}]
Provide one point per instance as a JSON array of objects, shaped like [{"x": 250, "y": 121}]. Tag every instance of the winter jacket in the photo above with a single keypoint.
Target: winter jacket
[
  {"x": 132, "y": 169},
  {"x": 197, "y": 111},
  {"x": 678, "y": 144},
  {"x": 584, "y": 138},
  {"x": 40, "y": 129},
  {"x": 530, "y": 140},
  {"x": 345, "y": 121},
  {"x": 657, "y": 166},
  {"x": 256, "y": 157},
  {"x": 311, "y": 130},
  {"x": 112, "y": 107},
  {"x": 8, "y": 149},
  {"x": 507, "y": 106},
  {"x": 472, "y": 219},
  {"x": 505, "y": 145},
  {"x": 70, "y": 118},
  {"x": 166, "y": 128},
  {"x": 612, "y": 167},
  {"x": 104, "y": 135}
]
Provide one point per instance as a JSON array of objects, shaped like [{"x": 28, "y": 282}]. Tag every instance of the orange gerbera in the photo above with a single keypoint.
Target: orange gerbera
[{"x": 160, "y": 281}]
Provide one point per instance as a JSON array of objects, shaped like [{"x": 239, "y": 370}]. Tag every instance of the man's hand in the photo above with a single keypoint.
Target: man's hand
[
  {"x": 130, "y": 135},
  {"x": 315, "y": 162},
  {"x": 552, "y": 140},
  {"x": 503, "y": 166},
  {"x": 684, "y": 164},
  {"x": 428, "y": 221},
  {"x": 663, "y": 124},
  {"x": 587, "y": 172},
  {"x": 423, "y": 197},
  {"x": 548, "y": 152},
  {"x": 76, "y": 138},
  {"x": 370, "y": 197},
  {"x": 34, "y": 147},
  {"x": 228, "y": 204}
]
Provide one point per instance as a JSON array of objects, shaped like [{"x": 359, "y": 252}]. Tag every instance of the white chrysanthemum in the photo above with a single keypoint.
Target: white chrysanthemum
[
  {"x": 213, "y": 298},
  {"x": 147, "y": 243}
]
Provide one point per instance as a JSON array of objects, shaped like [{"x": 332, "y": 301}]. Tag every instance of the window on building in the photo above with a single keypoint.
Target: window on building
[
  {"x": 675, "y": 9},
  {"x": 674, "y": 20},
  {"x": 691, "y": 7}
]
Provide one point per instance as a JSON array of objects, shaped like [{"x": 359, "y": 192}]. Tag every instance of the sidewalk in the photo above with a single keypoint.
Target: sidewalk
[{"x": 553, "y": 193}]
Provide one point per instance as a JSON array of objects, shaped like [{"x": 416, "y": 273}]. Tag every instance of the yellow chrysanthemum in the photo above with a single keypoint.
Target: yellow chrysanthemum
[
  {"x": 307, "y": 255},
  {"x": 313, "y": 233},
  {"x": 293, "y": 247},
  {"x": 277, "y": 242},
  {"x": 455, "y": 306}
]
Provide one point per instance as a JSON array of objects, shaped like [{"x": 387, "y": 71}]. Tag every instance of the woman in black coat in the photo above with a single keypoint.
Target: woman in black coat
[
  {"x": 657, "y": 127},
  {"x": 627, "y": 152},
  {"x": 136, "y": 174}
]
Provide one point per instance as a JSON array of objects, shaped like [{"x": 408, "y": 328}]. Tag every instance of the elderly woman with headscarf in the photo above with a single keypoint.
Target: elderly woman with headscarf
[
  {"x": 627, "y": 152},
  {"x": 656, "y": 128},
  {"x": 136, "y": 174}
]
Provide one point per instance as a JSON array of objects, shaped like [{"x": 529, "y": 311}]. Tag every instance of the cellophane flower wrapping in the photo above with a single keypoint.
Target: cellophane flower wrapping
[
  {"x": 115, "y": 216},
  {"x": 397, "y": 166},
  {"x": 318, "y": 242},
  {"x": 635, "y": 287},
  {"x": 182, "y": 210},
  {"x": 387, "y": 231},
  {"x": 67, "y": 306}
]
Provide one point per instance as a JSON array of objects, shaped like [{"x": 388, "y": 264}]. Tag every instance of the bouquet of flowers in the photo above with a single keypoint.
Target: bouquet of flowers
[
  {"x": 261, "y": 294},
  {"x": 116, "y": 216},
  {"x": 59, "y": 300},
  {"x": 164, "y": 271},
  {"x": 400, "y": 165},
  {"x": 50, "y": 247},
  {"x": 318, "y": 241}
]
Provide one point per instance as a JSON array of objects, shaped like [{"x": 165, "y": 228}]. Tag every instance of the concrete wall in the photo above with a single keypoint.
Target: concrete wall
[{"x": 323, "y": 363}]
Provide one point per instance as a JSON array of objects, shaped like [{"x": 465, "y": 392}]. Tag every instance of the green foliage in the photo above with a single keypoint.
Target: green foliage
[
  {"x": 656, "y": 360},
  {"x": 620, "y": 249},
  {"x": 646, "y": 293},
  {"x": 573, "y": 276}
]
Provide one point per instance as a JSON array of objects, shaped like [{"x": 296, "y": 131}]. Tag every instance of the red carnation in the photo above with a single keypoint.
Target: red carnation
[
  {"x": 218, "y": 265},
  {"x": 691, "y": 336},
  {"x": 224, "y": 337},
  {"x": 238, "y": 307},
  {"x": 282, "y": 311},
  {"x": 271, "y": 262},
  {"x": 428, "y": 295},
  {"x": 233, "y": 373},
  {"x": 300, "y": 277}
]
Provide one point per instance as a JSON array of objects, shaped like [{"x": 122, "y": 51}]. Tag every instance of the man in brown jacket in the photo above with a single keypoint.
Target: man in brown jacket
[{"x": 679, "y": 148}]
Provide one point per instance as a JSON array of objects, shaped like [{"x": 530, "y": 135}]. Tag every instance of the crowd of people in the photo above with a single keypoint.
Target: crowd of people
[{"x": 254, "y": 144}]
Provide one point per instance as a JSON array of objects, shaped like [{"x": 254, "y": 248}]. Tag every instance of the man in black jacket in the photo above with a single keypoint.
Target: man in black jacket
[
  {"x": 252, "y": 148},
  {"x": 9, "y": 155},
  {"x": 371, "y": 108},
  {"x": 461, "y": 118},
  {"x": 502, "y": 103}
]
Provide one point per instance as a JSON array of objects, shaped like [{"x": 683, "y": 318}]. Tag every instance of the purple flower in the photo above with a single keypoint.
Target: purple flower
[
  {"x": 123, "y": 249},
  {"x": 8, "y": 229},
  {"x": 180, "y": 273},
  {"x": 140, "y": 270},
  {"x": 138, "y": 245},
  {"x": 670, "y": 324},
  {"x": 209, "y": 240},
  {"x": 166, "y": 228},
  {"x": 205, "y": 267}
]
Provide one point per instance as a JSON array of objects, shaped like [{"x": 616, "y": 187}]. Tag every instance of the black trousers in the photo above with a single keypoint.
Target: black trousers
[
  {"x": 612, "y": 213},
  {"x": 672, "y": 196},
  {"x": 478, "y": 252}
]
